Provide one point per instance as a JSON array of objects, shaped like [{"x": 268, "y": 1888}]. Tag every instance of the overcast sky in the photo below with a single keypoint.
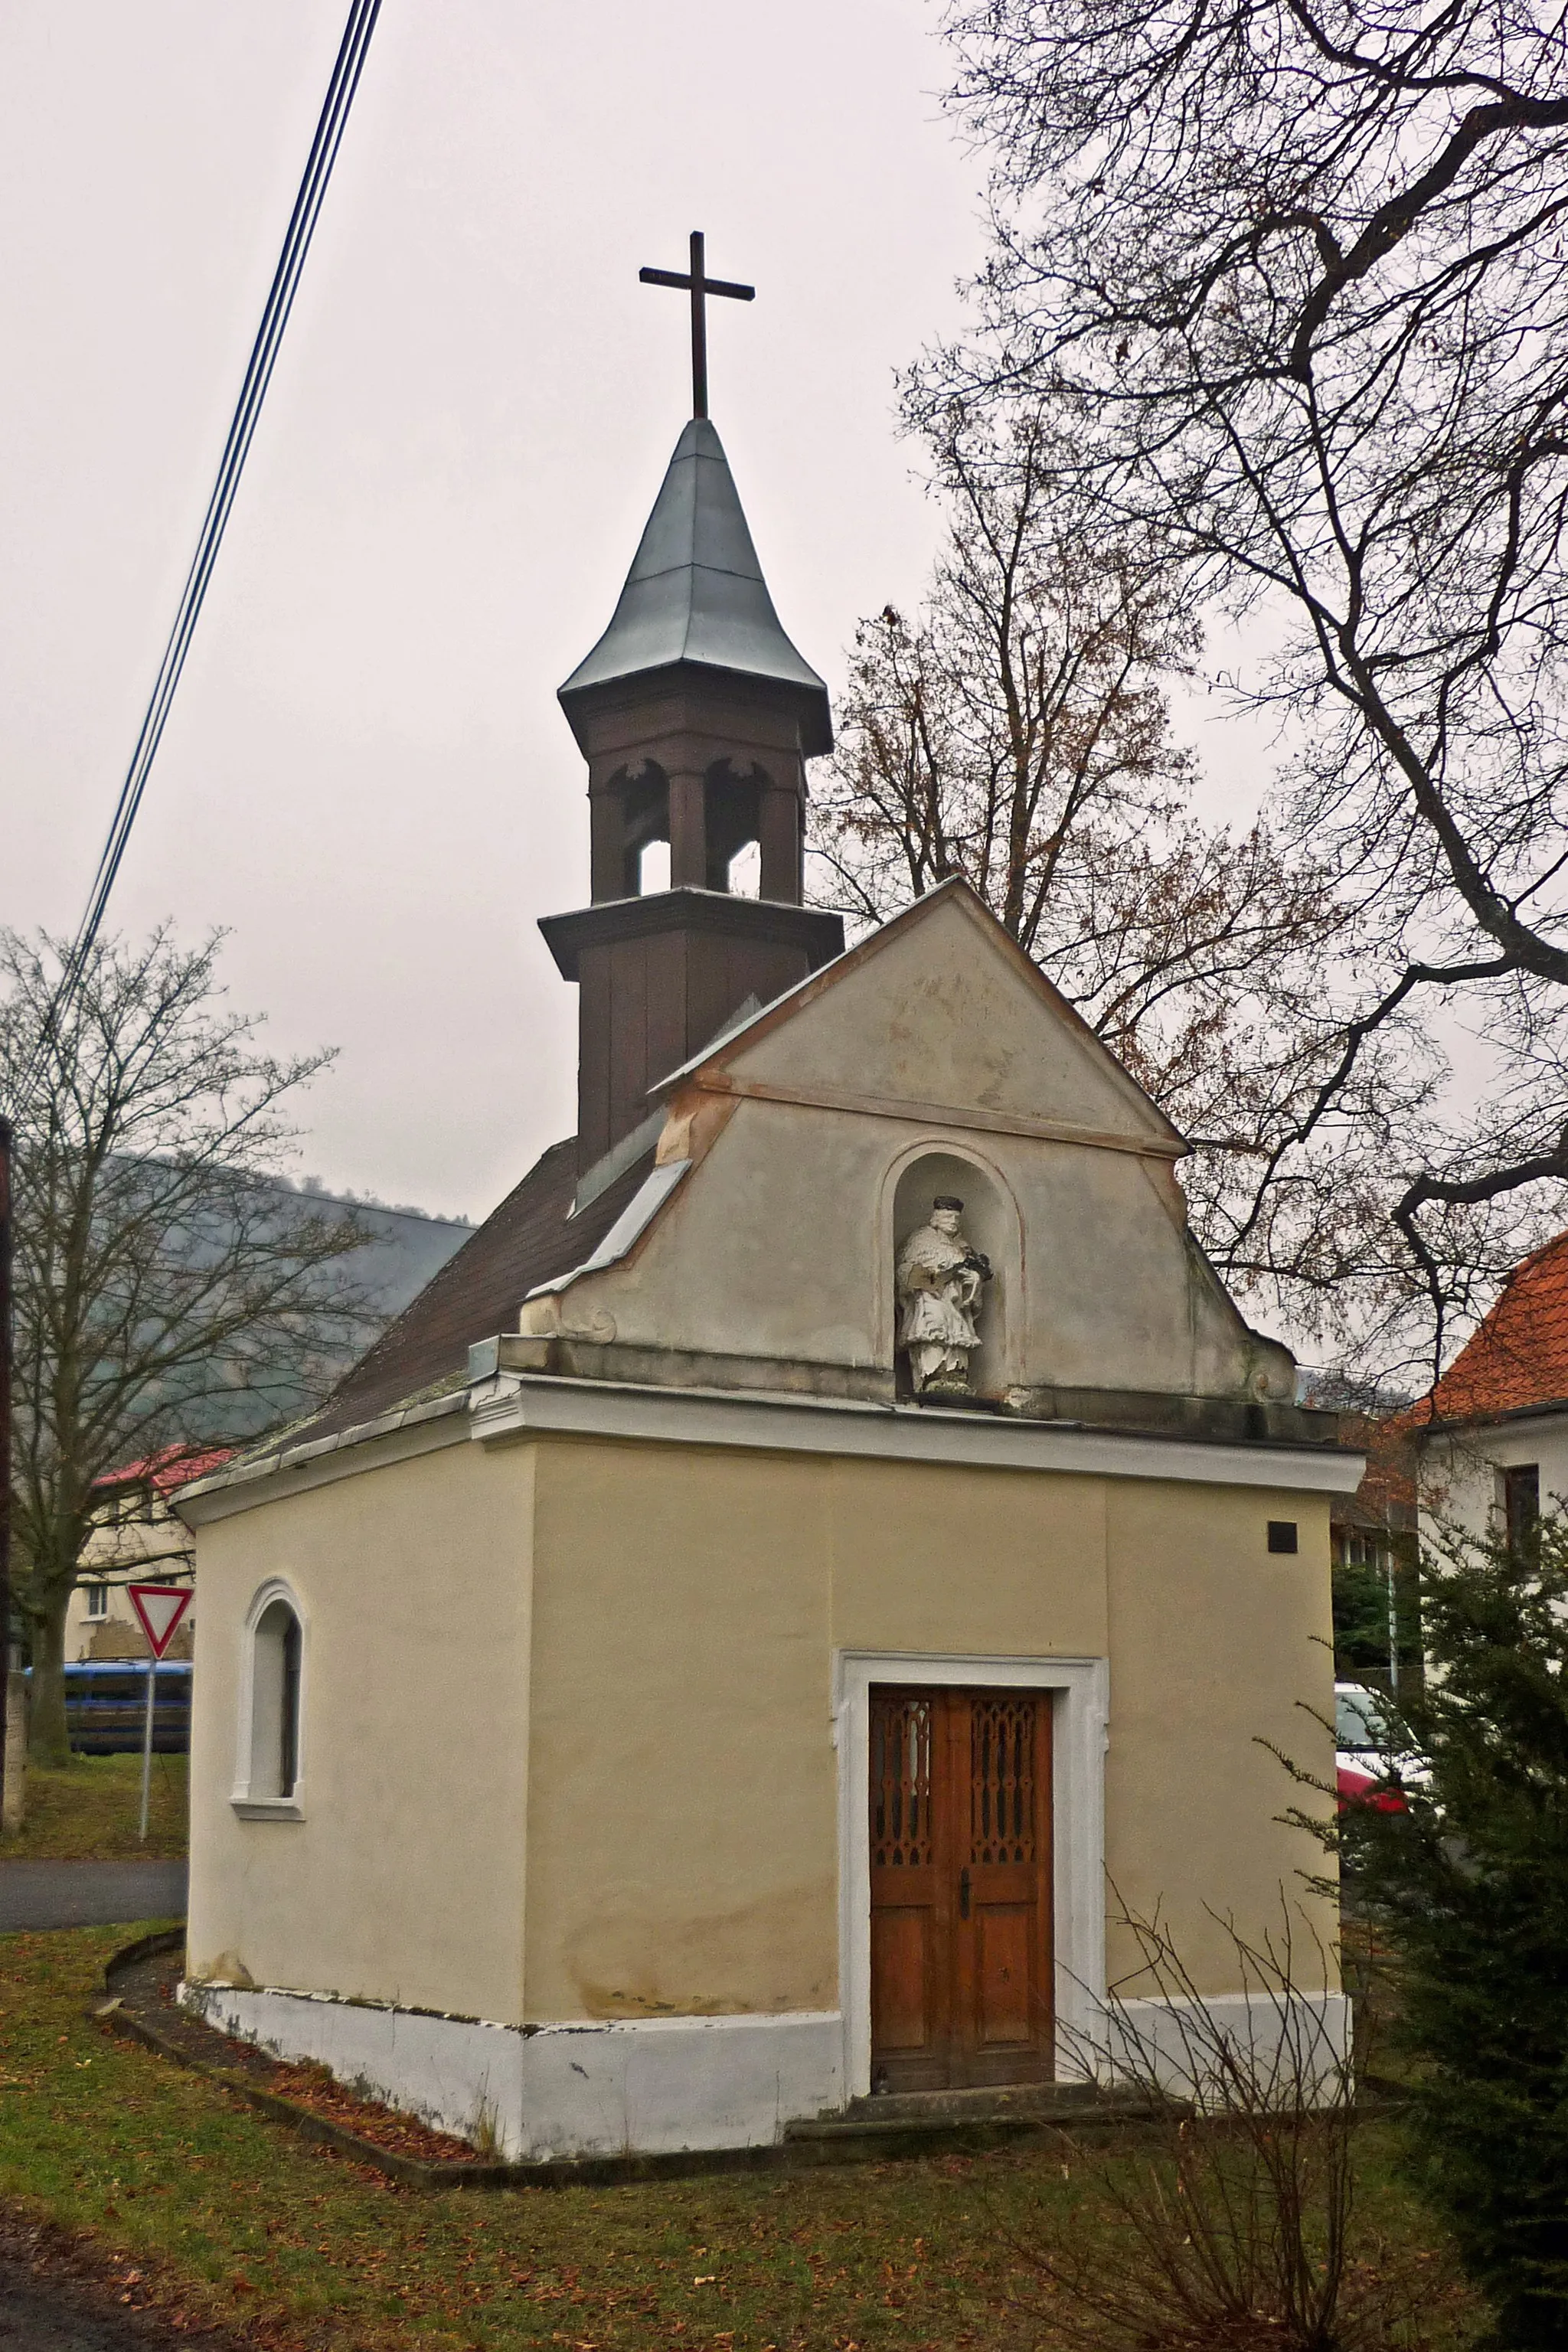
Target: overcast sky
[{"x": 366, "y": 777}]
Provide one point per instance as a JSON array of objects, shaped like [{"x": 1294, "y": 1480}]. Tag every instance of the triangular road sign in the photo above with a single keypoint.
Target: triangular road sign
[{"x": 160, "y": 1608}]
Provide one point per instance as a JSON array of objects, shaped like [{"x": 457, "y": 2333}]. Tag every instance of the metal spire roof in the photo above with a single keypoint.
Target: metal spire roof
[{"x": 695, "y": 595}]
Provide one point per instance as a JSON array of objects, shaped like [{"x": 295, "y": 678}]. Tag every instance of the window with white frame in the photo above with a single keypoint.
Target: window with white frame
[
  {"x": 269, "y": 1766},
  {"x": 1521, "y": 1499},
  {"x": 97, "y": 1599}
]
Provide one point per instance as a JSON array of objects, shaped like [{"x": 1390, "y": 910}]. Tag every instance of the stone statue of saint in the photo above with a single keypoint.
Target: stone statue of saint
[{"x": 940, "y": 1279}]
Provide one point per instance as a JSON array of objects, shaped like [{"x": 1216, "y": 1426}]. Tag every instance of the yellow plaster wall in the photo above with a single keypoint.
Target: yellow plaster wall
[
  {"x": 944, "y": 1560},
  {"x": 1216, "y": 1644},
  {"x": 403, "y": 1882},
  {"x": 682, "y": 1841},
  {"x": 682, "y": 1827}
]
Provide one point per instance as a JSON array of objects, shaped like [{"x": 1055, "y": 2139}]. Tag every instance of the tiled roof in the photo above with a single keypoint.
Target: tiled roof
[
  {"x": 530, "y": 1239},
  {"x": 1386, "y": 1499},
  {"x": 172, "y": 1467},
  {"x": 1519, "y": 1357}
]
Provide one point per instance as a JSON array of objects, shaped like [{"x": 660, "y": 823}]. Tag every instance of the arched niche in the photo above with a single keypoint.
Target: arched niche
[{"x": 991, "y": 1224}]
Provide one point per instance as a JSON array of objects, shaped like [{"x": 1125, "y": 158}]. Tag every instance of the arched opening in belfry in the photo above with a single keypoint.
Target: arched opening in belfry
[
  {"x": 733, "y": 806},
  {"x": 644, "y": 829}
]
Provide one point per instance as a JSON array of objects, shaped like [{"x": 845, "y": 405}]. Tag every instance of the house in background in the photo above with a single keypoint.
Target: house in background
[
  {"x": 137, "y": 1535},
  {"x": 1492, "y": 1436}
]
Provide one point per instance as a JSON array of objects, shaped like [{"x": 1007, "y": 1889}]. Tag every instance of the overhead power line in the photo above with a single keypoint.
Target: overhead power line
[{"x": 340, "y": 98}]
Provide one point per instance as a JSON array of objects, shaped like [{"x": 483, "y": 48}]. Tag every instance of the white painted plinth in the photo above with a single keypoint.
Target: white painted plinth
[
  {"x": 643, "y": 2085},
  {"x": 1290, "y": 2046}
]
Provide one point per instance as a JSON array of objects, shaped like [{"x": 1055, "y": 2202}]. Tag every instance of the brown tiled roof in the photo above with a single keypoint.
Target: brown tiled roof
[
  {"x": 479, "y": 1292},
  {"x": 1518, "y": 1356},
  {"x": 1386, "y": 1499}
]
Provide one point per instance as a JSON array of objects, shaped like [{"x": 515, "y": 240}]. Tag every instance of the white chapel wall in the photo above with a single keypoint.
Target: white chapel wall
[{"x": 781, "y": 1244}]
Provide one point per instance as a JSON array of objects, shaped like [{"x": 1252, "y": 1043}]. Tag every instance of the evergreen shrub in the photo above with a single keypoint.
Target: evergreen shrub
[{"x": 1469, "y": 1886}]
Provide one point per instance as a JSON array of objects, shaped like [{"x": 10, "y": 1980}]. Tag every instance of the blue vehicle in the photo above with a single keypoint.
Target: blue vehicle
[{"x": 106, "y": 1706}]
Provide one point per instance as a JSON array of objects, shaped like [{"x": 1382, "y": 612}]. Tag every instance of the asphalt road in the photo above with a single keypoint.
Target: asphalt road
[{"x": 88, "y": 1894}]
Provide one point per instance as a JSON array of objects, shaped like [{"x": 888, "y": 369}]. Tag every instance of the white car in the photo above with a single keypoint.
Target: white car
[{"x": 1366, "y": 1757}]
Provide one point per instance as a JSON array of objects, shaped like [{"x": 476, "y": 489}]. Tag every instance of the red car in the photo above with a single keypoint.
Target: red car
[{"x": 1365, "y": 1759}]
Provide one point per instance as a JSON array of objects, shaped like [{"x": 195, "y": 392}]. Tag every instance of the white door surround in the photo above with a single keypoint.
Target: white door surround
[{"x": 1079, "y": 1721}]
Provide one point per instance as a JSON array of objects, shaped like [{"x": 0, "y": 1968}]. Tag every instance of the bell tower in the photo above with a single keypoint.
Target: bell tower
[{"x": 696, "y": 716}]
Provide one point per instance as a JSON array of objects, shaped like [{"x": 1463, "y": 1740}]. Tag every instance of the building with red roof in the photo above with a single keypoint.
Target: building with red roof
[
  {"x": 136, "y": 1534},
  {"x": 1492, "y": 1433},
  {"x": 1517, "y": 1361}
]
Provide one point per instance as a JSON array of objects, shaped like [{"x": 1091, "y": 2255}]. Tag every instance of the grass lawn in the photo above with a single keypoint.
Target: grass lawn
[
  {"x": 90, "y": 1809},
  {"x": 216, "y": 2214}
]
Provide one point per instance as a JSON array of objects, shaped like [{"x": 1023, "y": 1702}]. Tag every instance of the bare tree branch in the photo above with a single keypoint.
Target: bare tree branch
[
  {"x": 1288, "y": 275},
  {"x": 169, "y": 1291}
]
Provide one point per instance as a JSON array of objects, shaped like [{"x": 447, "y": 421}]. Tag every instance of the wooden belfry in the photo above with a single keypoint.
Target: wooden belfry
[{"x": 696, "y": 716}]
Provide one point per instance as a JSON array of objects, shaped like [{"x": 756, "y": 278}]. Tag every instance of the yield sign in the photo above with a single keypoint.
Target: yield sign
[{"x": 160, "y": 1608}]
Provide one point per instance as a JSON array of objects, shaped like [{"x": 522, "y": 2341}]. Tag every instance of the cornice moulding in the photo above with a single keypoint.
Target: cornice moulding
[
  {"x": 915, "y": 1113},
  {"x": 537, "y": 1405}
]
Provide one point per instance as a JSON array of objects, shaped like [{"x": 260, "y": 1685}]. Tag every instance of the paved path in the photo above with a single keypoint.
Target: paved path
[
  {"x": 41, "y": 2315},
  {"x": 55, "y": 2298},
  {"x": 88, "y": 1894}
]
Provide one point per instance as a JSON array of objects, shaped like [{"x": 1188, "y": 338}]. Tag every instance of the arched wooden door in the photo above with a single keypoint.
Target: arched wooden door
[{"x": 960, "y": 1887}]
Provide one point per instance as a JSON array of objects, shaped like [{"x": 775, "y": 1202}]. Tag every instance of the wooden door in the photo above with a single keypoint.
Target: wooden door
[{"x": 960, "y": 1887}]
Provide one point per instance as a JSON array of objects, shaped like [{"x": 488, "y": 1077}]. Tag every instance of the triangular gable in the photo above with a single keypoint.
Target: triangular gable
[{"x": 940, "y": 1009}]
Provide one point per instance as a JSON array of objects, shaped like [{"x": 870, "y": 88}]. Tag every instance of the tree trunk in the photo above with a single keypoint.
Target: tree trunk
[
  {"x": 48, "y": 1742},
  {"x": 14, "y": 1799}
]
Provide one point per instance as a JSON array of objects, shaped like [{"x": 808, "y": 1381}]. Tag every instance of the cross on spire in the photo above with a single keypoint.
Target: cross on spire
[{"x": 701, "y": 286}]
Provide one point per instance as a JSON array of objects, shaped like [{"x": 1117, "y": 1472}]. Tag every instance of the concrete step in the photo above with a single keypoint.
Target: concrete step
[
  {"x": 917, "y": 2117},
  {"x": 981, "y": 2106}
]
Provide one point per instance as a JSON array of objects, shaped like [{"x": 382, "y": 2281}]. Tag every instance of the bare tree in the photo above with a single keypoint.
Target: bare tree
[
  {"x": 1290, "y": 275},
  {"x": 167, "y": 1293},
  {"x": 1016, "y": 730},
  {"x": 1021, "y": 723}
]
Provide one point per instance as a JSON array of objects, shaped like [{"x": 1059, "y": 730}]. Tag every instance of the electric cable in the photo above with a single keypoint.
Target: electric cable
[{"x": 341, "y": 92}]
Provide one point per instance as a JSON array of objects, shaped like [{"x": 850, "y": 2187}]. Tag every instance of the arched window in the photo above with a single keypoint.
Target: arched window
[{"x": 270, "y": 1710}]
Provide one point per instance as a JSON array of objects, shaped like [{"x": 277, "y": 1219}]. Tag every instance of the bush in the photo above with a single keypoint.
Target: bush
[
  {"x": 1469, "y": 1888},
  {"x": 1230, "y": 2223}
]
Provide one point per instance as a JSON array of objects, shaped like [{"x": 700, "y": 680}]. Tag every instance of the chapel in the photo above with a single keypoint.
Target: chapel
[{"x": 825, "y": 1547}]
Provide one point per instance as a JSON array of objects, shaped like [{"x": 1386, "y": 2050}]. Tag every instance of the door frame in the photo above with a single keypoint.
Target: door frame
[{"x": 1080, "y": 1733}]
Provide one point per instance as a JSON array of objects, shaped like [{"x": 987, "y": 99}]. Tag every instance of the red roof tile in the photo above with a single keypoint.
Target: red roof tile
[
  {"x": 172, "y": 1467},
  {"x": 1518, "y": 1356}
]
